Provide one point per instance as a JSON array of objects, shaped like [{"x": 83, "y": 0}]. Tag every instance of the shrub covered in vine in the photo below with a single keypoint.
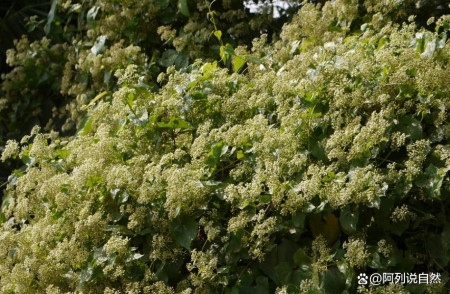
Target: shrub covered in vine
[
  {"x": 303, "y": 163},
  {"x": 86, "y": 42}
]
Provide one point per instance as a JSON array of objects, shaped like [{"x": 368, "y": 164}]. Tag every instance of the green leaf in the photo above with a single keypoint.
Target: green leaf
[
  {"x": 244, "y": 205},
  {"x": 144, "y": 232},
  {"x": 317, "y": 149},
  {"x": 119, "y": 229},
  {"x": 90, "y": 17},
  {"x": 283, "y": 272},
  {"x": 429, "y": 48},
  {"x": 238, "y": 63},
  {"x": 265, "y": 198},
  {"x": 184, "y": 230},
  {"x": 29, "y": 161},
  {"x": 208, "y": 68},
  {"x": 218, "y": 34},
  {"x": 75, "y": 8},
  {"x": 329, "y": 177},
  {"x": 223, "y": 270},
  {"x": 183, "y": 7},
  {"x": 334, "y": 27},
  {"x": 172, "y": 57},
  {"x": 92, "y": 102},
  {"x": 134, "y": 256},
  {"x": 179, "y": 123},
  {"x": 140, "y": 121},
  {"x": 442, "y": 40},
  {"x": 411, "y": 72},
  {"x": 212, "y": 183},
  {"x": 382, "y": 42},
  {"x": 333, "y": 281},
  {"x": 182, "y": 60},
  {"x": 282, "y": 254},
  {"x": 252, "y": 285},
  {"x": 435, "y": 179},
  {"x": 411, "y": 127},
  {"x": 216, "y": 153},
  {"x": 375, "y": 261},
  {"x": 240, "y": 154},
  {"x": 253, "y": 59},
  {"x": 50, "y": 17},
  {"x": 168, "y": 57},
  {"x": 420, "y": 42},
  {"x": 298, "y": 219},
  {"x": 7, "y": 199},
  {"x": 262, "y": 285},
  {"x": 416, "y": 288},
  {"x": 348, "y": 220},
  {"x": 2, "y": 218},
  {"x": 294, "y": 47},
  {"x": 99, "y": 44},
  {"x": 436, "y": 248},
  {"x": 62, "y": 153},
  {"x": 12, "y": 252},
  {"x": 85, "y": 126},
  {"x": 301, "y": 258},
  {"x": 225, "y": 52},
  {"x": 174, "y": 123},
  {"x": 58, "y": 165}
]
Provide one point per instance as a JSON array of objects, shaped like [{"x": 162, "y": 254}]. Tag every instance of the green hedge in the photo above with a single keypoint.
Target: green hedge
[{"x": 304, "y": 163}]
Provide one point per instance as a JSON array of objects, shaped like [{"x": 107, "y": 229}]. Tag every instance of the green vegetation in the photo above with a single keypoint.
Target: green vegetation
[{"x": 178, "y": 154}]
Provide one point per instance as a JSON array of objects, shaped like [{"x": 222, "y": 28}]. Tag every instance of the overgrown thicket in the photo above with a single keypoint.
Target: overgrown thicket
[
  {"x": 87, "y": 41},
  {"x": 289, "y": 166}
]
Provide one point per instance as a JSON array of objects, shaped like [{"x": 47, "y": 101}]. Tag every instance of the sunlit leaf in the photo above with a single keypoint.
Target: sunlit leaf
[
  {"x": 238, "y": 62},
  {"x": 92, "y": 13},
  {"x": 98, "y": 45},
  {"x": 218, "y": 35},
  {"x": 51, "y": 17}
]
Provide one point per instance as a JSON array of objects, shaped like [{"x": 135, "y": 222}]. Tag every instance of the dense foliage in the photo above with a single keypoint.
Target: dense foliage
[
  {"x": 289, "y": 166},
  {"x": 87, "y": 41}
]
